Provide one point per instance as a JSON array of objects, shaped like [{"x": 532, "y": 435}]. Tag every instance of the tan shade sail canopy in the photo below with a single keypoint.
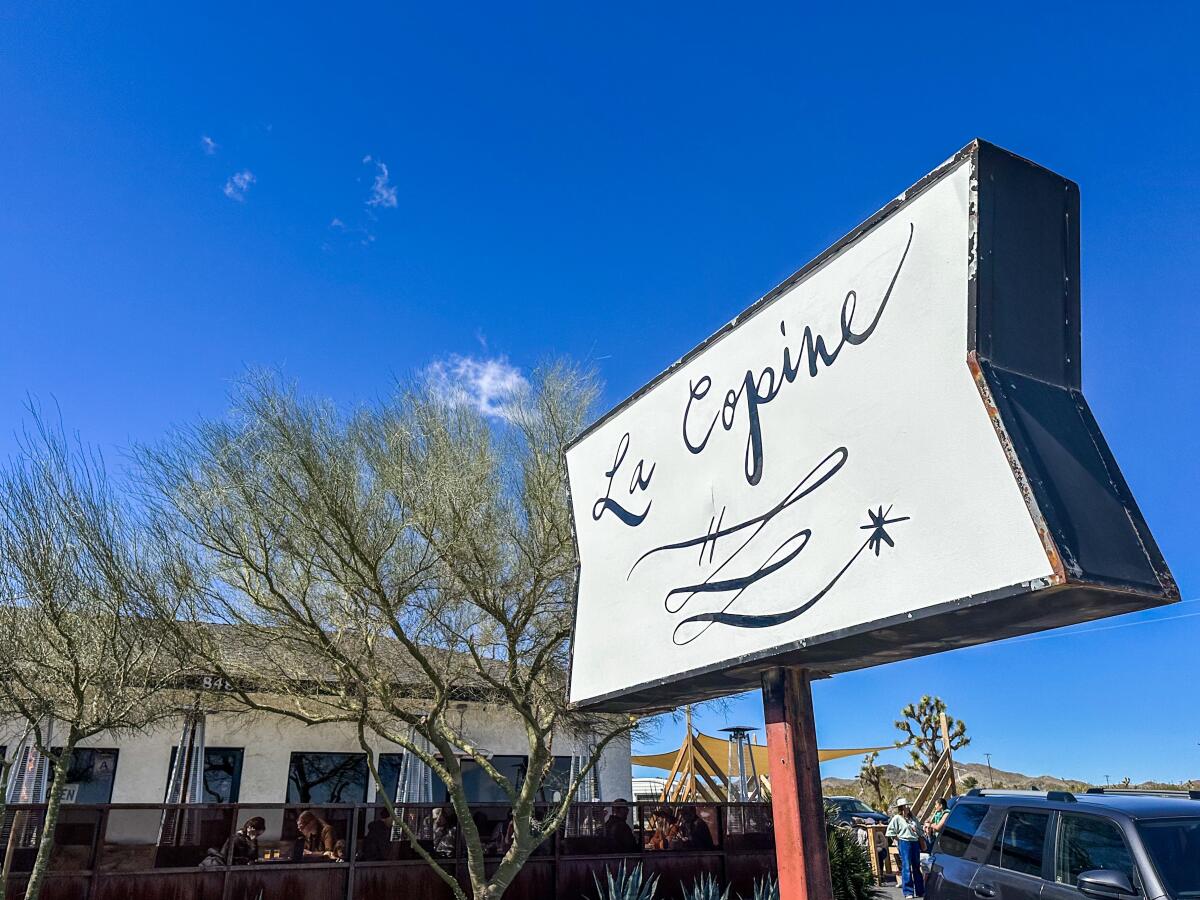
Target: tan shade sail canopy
[{"x": 718, "y": 749}]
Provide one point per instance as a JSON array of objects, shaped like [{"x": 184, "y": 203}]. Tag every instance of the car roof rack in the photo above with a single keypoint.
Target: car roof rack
[
  {"x": 1147, "y": 792},
  {"x": 1055, "y": 796}
]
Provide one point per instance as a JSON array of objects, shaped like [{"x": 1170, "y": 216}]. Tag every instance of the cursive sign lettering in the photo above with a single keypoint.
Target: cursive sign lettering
[
  {"x": 748, "y": 562},
  {"x": 639, "y": 481},
  {"x": 757, "y": 389},
  {"x": 879, "y": 520}
]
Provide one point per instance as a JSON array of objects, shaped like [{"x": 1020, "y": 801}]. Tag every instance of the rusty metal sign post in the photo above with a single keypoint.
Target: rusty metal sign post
[{"x": 797, "y": 806}]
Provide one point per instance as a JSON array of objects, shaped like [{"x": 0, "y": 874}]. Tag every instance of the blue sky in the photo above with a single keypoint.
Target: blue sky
[{"x": 351, "y": 193}]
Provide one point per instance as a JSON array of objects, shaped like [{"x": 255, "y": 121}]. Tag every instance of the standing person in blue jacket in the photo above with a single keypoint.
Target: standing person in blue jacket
[{"x": 907, "y": 832}]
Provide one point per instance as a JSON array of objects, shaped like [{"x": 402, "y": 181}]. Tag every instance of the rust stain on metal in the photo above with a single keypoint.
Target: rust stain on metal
[{"x": 1059, "y": 574}]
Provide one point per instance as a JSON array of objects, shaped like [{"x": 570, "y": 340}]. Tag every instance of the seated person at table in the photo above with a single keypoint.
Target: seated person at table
[
  {"x": 445, "y": 832},
  {"x": 503, "y": 835},
  {"x": 242, "y": 847},
  {"x": 618, "y": 834},
  {"x": 661, "y": 830},
  {"x": 317, "y": 836},
  {"x": 377, "y": 842}
]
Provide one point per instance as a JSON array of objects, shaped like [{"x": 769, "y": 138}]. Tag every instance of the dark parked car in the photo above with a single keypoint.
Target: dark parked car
[
  {"x": 851, "y": 808},
  {"x": 1025, "y": 845}
]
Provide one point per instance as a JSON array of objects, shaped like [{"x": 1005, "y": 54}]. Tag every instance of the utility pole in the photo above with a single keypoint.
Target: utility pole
[
  {"x": 1107, "y": 782},
  {"x": 991, "y": 780}
]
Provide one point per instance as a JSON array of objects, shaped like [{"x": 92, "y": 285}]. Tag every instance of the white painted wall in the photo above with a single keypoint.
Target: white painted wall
[{"x": 269, "y": 741}]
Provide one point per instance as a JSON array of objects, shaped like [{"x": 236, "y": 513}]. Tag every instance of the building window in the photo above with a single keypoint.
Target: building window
[
  {"x": 222, "y": 774},
  {"x": 91, "y": 775},
  {"x": 557, "y": 780},
  {"x": 327, "y": 778},
  {"x": 389, "y": 765},
  {"x": 479, "y": 786}
]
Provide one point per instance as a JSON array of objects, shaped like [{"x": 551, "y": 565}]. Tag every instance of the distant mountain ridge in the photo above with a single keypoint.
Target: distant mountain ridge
[{"x": 911, "y": 781}]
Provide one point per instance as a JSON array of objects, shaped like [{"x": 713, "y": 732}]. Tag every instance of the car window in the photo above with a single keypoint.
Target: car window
[
  {"x": 1174, "y": 845},
  {"x": 960, "y": 828},
  {"x": 1021, "y": 843},
  {"x": 850, "y": 807},
  {"x": 1087, "y": 842}
]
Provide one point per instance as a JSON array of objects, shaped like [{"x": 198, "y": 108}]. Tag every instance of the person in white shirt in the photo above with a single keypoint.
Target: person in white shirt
[{"x": 906, "y": 830}]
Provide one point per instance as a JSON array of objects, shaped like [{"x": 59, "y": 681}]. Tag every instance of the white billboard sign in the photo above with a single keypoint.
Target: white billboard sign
[{"x": 826, "y": 470}]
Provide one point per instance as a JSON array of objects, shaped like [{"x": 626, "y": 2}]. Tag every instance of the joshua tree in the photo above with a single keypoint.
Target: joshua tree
[
  {"x": 78, "y": 657},
  {"x": 875, "y": 787},
  {"x": 922, "y": 731},
  {"x": 376, "y": 569}
]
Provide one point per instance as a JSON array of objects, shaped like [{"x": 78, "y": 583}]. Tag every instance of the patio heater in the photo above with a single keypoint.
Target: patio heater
[
  {"x": 742, "y": 788},
  {"x": 585, "y": 821},
  {"x": 414, "y": 786},
  {"x": 28, "y": 782},
  {"x": 589, "y": 788},
  {"x": 186, "y": 782}
]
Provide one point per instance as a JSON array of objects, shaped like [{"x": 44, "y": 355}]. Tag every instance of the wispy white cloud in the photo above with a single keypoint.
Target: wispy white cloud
[
  {"x": 239, "y": 184},
  {"x": 210, "y": 146},
  {"x": 350, "y": 232},
  {"x": 383, "y": 194},
  {"x": 490, "y": 385}
]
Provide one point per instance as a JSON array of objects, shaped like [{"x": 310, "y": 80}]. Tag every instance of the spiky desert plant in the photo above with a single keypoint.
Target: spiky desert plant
[
  {"x": 626, "y": 885},
  {"x": 849, "y": 866},
  {"x": 766, "y": 889},
  {"x": 706, "y": 888}
]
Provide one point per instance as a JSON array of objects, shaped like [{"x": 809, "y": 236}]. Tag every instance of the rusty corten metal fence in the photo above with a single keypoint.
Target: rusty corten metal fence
[{"x": 156, "y": 852}]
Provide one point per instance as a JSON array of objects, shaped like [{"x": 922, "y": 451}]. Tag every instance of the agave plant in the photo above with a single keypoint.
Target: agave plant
[
  {"x": 626, "y": 885},
  {"x": 849, "y": 867},
  {"x": 849, "y": 862},
  {"x": 766, "y": 889},
  {"x": 705, "y": 888}
]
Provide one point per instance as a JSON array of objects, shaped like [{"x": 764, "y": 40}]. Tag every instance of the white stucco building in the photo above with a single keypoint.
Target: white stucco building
[{"x": 260, "y": 758}]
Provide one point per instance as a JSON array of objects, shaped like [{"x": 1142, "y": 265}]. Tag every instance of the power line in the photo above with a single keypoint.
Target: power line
[{"x": 1086, "y": 631}]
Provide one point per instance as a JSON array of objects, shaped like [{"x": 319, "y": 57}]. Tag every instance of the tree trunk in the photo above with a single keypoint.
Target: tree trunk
[
  {"x": 41, "y": 863},
  {"x": 509, "y": 867},
  {"x": 5, "y": 769}
]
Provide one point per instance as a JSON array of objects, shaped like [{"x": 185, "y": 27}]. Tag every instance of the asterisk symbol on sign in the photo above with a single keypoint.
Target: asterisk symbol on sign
[{"x": 879, "y": 519}]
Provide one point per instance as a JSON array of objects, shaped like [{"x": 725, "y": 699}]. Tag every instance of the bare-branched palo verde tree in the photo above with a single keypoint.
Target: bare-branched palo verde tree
[
  {"x": 380, "y": 568},
  {"x": 78, "y": 655}
]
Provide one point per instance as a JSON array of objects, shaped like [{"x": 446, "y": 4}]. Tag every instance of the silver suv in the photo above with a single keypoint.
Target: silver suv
[{"x": 1102, "y": 845}]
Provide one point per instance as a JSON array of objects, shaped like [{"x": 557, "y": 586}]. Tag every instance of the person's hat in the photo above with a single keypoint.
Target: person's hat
[{"x": 900, "y": 802}]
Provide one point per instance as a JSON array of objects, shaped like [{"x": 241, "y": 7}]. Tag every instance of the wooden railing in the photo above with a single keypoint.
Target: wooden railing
[
  {"x": 941, "y": 783},
  {"x": 938, "y": 786},
  {"x": 116, "y": 852}
]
